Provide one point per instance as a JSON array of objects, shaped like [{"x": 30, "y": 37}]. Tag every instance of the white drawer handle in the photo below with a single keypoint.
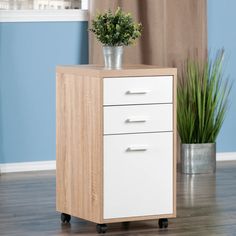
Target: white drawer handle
[
  {"x": 137, "y": 149},
  {"x": 130, "y": 92},
  {"x": 136, "y": 120}
]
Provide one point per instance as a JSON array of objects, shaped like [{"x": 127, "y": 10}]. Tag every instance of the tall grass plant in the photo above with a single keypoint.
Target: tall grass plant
[{"x": 202, "y": 98}]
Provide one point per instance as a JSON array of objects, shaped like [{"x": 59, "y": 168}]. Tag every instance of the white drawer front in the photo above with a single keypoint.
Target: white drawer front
[
  {"x": 138, "y": 118},
  {"x": 137, "y": 90},
  {"x": 138, "y": 175}
]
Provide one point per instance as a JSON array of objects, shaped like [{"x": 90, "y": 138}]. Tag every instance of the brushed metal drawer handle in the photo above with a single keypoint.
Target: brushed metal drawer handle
[
  {"x": 135, "y": 120},
  {"x": 133, "y": 92},
  {"x": 137, "y": 149}
]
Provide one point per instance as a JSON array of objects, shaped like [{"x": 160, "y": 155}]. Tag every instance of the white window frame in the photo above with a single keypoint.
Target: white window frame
[
  {"x": 45, "y": 15},
  {"x": 84, "y": 4}
]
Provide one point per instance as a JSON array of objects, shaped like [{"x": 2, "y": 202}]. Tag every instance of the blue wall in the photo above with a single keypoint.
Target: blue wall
[
  {"x": 222, "y": 33},
  {"x": 29, "y": 53}
]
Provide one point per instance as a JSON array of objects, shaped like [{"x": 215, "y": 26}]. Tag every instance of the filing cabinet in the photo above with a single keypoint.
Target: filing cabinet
[{"x": 116, "y": 144}]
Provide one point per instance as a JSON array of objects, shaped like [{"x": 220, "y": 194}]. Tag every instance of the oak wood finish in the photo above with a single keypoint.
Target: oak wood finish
[
  {"x": 205, "y": 204},
  {"x": 80, "y": 142},
  {"x": 79, "y": 146},
  {"x": 175, "y": 133},
  {"x": 127, "y": 70}
]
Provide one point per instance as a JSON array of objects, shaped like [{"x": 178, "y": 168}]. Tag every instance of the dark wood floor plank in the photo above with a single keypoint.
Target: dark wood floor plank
[{"x": 206, "y": 205}]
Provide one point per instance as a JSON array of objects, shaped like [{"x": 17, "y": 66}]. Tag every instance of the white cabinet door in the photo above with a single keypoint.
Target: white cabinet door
[
  {"x": 136, "y": 119},
  {"x": 138, "y": 90},
  {"x": 138, "y": 175}
]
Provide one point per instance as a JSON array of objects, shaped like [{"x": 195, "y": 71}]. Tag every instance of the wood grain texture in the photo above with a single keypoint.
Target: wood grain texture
[
  {"x": 138, "y": 218},
  {"x": 175, "y": 134},
  {"x": 80, "y": 137},
  {"x": 79, "y": 146},
  {"x": 205, "y": 206},
  {"x": 127, "y": 70}
]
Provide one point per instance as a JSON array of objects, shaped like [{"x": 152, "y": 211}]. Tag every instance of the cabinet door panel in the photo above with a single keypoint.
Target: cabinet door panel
[{"x": 138, "y": 175}]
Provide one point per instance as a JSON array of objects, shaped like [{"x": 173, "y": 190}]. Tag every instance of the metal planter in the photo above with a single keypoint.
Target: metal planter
[
  {"x": 113, "y": 57},
  {"x": 198, "y": 158}
]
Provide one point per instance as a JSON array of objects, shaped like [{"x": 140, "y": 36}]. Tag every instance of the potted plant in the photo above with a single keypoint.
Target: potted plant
[
  {"x": 202, "y": 98},
  {"x": 115, "y": 31}
]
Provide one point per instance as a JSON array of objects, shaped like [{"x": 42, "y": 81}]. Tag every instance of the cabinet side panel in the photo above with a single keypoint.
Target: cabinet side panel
[
  {"x": 79, "y": 146},
  {"x": 175, "y": 133}
]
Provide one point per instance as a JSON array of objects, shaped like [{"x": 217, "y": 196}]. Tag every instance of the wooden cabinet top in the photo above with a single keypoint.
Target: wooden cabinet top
[{"x": 127, "y": 70}]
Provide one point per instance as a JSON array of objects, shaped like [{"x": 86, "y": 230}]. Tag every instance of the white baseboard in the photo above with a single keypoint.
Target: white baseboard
[
  {"x": 226, "y": 156},
  {"x": 27, "y": 166},
  {"x": 51, "y": 165}
]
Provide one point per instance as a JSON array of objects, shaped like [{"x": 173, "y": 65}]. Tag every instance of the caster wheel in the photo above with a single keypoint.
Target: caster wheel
[
  {"x": 126, "y": 224},
  {"x": 101, "y": 228},
  {"x": 163, "y": 223},
  {"x": 65, "y": 218}
]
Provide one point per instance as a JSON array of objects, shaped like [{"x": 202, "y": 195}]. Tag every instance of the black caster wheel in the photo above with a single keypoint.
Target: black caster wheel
[
  {"x": 126, "y": 224},
  {"x": 101, "y": 228},
  {"x": 163, "y": 223},
  {"x": 65, "y": 218}
]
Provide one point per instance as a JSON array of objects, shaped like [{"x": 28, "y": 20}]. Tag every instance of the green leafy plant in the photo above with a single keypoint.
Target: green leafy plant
[
  {"x": 116, "y": 30},
  {"x": 202, "y": 98}
]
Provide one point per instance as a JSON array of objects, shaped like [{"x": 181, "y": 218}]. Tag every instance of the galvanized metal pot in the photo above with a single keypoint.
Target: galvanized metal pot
[
  {"x": 113, "y": 57},
  {"x": 198, "y": 158}
]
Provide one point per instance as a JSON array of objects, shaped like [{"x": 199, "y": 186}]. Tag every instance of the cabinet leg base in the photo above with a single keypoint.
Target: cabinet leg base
[
  {"x": 163, "y": 223},
  {"x": 101, "y": 228},
  {"x": 126, "y": 224},
  {"x": 65, "y": 218}
]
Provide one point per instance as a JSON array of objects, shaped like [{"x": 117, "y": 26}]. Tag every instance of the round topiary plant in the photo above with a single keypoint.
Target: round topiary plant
[{"x": 117, "y": 29}]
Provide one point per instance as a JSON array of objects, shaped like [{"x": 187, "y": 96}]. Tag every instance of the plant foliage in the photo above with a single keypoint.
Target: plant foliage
[
  {"x": 116, "y": 30},
  {"x": 202, "y": 98}
]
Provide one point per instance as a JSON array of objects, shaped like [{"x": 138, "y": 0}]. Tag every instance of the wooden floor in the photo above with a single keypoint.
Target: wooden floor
[{"x": 206, "y": 206}]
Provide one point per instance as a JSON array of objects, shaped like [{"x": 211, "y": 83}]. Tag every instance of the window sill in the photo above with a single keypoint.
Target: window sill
[{"x": 43, "y": 15}]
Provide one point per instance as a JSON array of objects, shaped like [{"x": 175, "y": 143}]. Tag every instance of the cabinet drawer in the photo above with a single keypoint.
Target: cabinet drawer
[
  {"x": 137, "y": 90},
  {"x": 138, "y": 175},
  {"x": 138, "y": 118}
]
